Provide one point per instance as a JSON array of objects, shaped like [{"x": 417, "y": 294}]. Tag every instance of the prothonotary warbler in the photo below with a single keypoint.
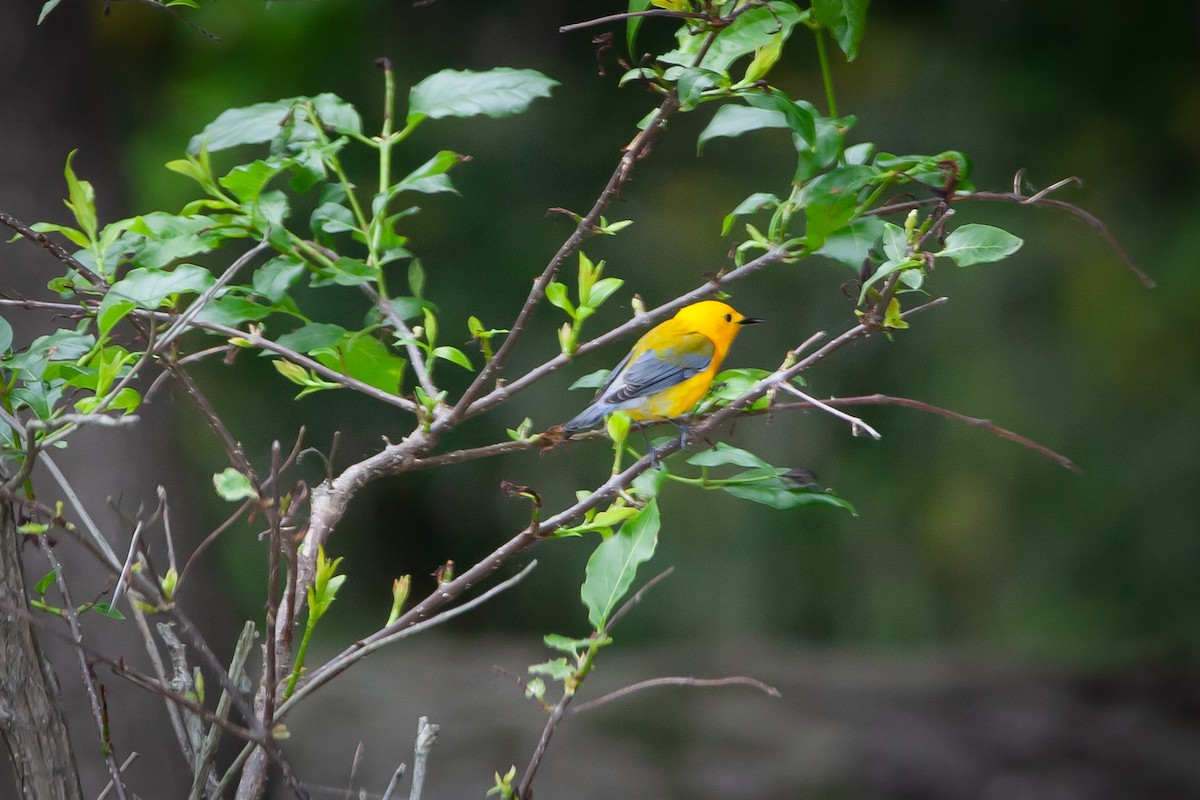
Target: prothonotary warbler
[{"x": 669, "y": 369}]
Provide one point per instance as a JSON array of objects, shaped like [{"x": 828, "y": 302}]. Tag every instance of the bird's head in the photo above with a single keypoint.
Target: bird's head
[{"x": 719, "y": 321}]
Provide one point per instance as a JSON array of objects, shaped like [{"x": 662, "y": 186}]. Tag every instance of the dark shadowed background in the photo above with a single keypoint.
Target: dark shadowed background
[{"x": 988, "y": 625}]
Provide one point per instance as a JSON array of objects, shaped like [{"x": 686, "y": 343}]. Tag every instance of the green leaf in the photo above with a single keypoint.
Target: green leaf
[
  {"x": 330, "y": 218},
  {"x": 246, "y": 181},
  {"x": 979, "y": 244},
  {"x": 73, "y": 235},
  {"x": 556, "y": 293},
  {"x": 593, "y": 380},
  {"x": 41, "y": 586},
  {"x": 336, "y": 113},
  {"x": 756, "y": 202},
  {"x": 800, "y": 115},
  {"x": 499, "y": 92},
  {"x": 602, "y": 290},
  {"x": 367, "y": 359},
  {"x": 734, "y": 120},
  {"x": 831, "y": 200},
  {"x": 232, "y": 309},
  {"x": 631, "y": 26},
  {"x": 765, "y": 57},
  {"x": 613, "y": 566},
  {"x": 780, "y": 494},
  {"x": 846, "y": 20},
  {"x": 312, "y": 336},
  {"x": 106, "y": 610},
  {"x": 169, "y": 238},
  {"x": 233, "y": 486},
  {"x": 273, "y": 279},
  {"x": 726, "y": 454},
  {"x": 930, "y": 170},
  {"x": 819, "y": 151},
  {"x": 453, "y": 355},
  {"x": 692, "y": 82},
  {"x": 751, "y": 30},
  {"x": 47, "y": 7},
  {"x": 564, "y": 644},
  {"x": 637, "y": 74},
  {"x": 430, "y": 177},
  {"x": 416, "y": 279},
  {"x": 126, "y": 401},
  {"x": 410, "y": 307},
  {"x": 82, "y": 200},
  {"x": 895, "y": 241},
  {"x": 293, "y": 372},
  {"x": 253, "y": 124},
  {"x": 558, "y": 669},
  {"x": 346, "y": 271},
  {"x": 194, "y": 168},
  {"x": 262, "y": 122},
  {"x": 851, "y": 244},
  {"x": 885, "y": 269},
  {"x": 6, "y": 335},
  {"x": 62, "y": 345},
  {"x": 148, "y": 288}
]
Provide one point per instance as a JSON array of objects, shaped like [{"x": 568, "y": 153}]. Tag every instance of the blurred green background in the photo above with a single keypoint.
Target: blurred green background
[{"x": 961, "y": 537}]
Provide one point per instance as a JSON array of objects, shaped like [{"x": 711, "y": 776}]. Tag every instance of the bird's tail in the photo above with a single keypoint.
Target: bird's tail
[{"x": 590, "y": 417}]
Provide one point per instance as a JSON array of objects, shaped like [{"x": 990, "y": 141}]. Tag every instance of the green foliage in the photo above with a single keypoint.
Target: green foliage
[
  {"x": 592, "y": 291},
  {"x": 613, "y": 566},
  {"x": 498, "y": 92},
  {"x": 253, "y": 167}
]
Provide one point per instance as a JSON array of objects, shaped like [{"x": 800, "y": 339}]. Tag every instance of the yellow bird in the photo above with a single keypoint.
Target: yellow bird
[{"x": 669, "y": 369}]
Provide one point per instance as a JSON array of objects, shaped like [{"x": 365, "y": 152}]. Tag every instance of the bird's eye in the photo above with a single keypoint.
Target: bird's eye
[{"x": 729, "y": 318}]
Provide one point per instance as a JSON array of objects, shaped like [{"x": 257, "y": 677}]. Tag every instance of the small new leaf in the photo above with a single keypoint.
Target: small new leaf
[{"x": 232, "y": 485}]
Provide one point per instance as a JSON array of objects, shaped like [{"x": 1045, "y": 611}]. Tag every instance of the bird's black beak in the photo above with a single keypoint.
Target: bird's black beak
[{"x": 750, "y": 320}]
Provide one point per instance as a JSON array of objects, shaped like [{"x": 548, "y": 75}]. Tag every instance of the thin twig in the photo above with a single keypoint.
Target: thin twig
[
  {"x": 113, "y": 562},
  {"x": 99, "y": 714},
  {"x": 202, "y": 765},
  {"x": 134, "y": 540},
  {"x": 358, "y": 754},
  {"x": 183, "y": 321},
  {"x": 987, "y": 425},
  {"x": 397, "y": 775},
  {"x": 212, "y": 537},
  {"x": 121, "y": 669},
  {"x": 654, "y": 683},
  {"x": 233, "y": 448},
  {"x": 1040, "y": 198},
  {"x": 856, "y": 424},
  {"x": 654, "y": 12},
  {"x": 108, "y": 787},
  {"x": 416, "y": 357},
  {"x": 636, "y": 598},
  {"x": 560, "y": 708},
  {"x": 393, "y": 633},
  {"x": 51, "y": 246}
]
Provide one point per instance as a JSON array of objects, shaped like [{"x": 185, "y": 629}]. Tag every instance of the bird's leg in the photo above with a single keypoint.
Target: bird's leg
[
  {"x": 649, "y": 449},
  {"x": 685, "y": 430},
  {"x": 684, "y": 424}
]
